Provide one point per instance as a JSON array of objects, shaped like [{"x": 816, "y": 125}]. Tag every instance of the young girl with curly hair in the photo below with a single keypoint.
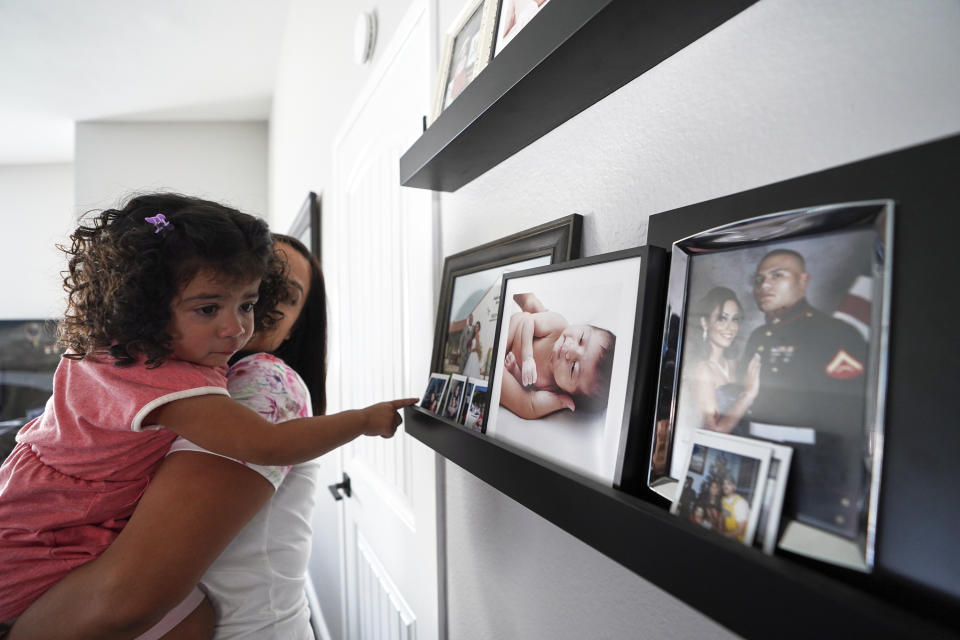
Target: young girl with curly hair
[{"x": 161, "y": 294}]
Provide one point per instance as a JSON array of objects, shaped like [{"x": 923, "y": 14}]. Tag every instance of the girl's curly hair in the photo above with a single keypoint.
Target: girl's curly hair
[{"x": 123, "y": 272}]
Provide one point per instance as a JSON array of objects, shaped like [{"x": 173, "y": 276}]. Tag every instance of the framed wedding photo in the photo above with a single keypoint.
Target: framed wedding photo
[
  {"x": 470, "y": 291},
  {"x": 776, "y": 328},
  {"x": 466, "y": 51},
  {"x": 570, "y": 340}
]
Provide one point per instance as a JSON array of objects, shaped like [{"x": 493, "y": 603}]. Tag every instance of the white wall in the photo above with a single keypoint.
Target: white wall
[
  {"x": 784, "y": 89},
  {"x": 36, "y": 213},
  {"x": 221, "y": 161},
  {"x": 317, "y": 84}
]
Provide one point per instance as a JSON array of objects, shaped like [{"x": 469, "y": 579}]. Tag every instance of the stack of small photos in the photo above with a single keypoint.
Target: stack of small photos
[
  {"x": 459, "y": 398},
  {"x": 735, "y": 486}
]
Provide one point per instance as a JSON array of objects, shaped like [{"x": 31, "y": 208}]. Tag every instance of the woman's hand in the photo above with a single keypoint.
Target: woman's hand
[{"x": 383, "y": 418}]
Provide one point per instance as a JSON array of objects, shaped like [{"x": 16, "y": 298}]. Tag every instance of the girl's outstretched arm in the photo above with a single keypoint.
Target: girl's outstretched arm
[
  {"x": 222, "y": 425},
  {"x": 192, "y": 509}
]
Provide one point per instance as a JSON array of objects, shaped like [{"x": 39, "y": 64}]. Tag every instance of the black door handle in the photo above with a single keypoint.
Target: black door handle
[{"x": 340, "y": 486}]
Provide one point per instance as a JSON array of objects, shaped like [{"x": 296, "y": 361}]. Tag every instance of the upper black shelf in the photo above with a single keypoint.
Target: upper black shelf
[{"x": 573, "y": 54}]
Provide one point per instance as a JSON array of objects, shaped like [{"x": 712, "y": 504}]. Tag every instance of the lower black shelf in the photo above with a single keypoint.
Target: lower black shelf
[{"x": 763, "y": 596}]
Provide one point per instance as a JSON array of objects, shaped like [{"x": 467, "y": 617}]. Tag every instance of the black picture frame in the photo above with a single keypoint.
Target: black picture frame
[
  {"x": 559, "y": 240},
  {"x": 306, "y": 226},
  {"x": 820, "y": 365},
  {"x": 621, "y": 428}
]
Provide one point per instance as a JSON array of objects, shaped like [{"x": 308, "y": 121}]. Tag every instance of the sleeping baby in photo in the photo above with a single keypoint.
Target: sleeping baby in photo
[{"x": 552, "y": 365}]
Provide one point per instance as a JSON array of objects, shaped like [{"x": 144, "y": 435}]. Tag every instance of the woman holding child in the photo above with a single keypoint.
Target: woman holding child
[{"x": 196, "y": 503}]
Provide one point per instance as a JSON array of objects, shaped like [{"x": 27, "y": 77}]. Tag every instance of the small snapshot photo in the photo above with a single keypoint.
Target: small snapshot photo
[
  {"x": 467, "y": 392},
  {"x": 726, "y": 493},
  {"x": 514, "y": 16},
  {"x": 454, "y": 401},
  {"x": 560, "y": 385},
  {"x": 472, "y": 325},
  {"x": 466, "y": 47},
  {"x": 771, "y": 508},
  {"x": 436, "y": 388},
  {"x": 475, "y": 407}
]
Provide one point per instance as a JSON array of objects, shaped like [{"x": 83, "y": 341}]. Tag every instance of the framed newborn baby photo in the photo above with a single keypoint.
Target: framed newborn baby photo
[{"x": 570, "y": 360}]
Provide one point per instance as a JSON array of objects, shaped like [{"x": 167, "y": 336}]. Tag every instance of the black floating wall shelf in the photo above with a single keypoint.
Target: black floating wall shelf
[
  {"x": 573, "y": 54},
  {"x": 915, "y": 590},
  {"x": 760, "y": 596}
]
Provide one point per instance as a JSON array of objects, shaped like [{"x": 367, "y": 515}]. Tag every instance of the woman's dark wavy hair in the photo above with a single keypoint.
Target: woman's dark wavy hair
[
  {"x": 711, "y": 301},
  {"x": 306, "y": 348},
  {"x": 123, "y": 272}
]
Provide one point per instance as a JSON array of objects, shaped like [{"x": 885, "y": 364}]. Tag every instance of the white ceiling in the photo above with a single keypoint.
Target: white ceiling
[{"x": 66, "y": 61}]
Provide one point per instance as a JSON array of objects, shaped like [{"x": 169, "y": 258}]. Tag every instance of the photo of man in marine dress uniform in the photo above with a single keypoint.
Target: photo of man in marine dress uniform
[{"x": 811, "y": 395}]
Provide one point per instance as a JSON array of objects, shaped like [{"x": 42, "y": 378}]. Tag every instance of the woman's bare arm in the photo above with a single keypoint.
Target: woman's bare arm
[
  {"x": 191, "y": 510},
  {"x": 705, "y": 391}
]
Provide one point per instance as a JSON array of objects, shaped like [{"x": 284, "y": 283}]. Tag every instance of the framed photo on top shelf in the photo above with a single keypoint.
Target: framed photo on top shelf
[
  {"x": 466, "y": 51},
  {"x": 512, "y": 17},
  {"x": 306, "y": 226},
  {"x": 776, "y": 329},
  {"x": 565, "y": 385},
  {"x": 470, "y": 291}
]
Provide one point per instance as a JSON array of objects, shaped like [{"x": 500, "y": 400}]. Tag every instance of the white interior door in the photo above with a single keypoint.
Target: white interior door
[{"x": 379, "y": 261}]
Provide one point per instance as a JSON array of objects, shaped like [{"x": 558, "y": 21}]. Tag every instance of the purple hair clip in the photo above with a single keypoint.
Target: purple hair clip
[{"x": 159, "y": 221}]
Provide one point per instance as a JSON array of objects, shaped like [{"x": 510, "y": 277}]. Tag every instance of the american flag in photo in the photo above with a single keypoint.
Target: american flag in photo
[{"x": 855, "y": 308}]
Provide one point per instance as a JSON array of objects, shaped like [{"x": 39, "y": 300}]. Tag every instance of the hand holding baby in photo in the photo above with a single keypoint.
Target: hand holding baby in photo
[{"x": 554, "y": 365}]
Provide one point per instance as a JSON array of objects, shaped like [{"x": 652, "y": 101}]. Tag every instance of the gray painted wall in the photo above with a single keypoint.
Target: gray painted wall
[
  {"x": 36, "y": 208},
  {"x": 784, "y": 89}
]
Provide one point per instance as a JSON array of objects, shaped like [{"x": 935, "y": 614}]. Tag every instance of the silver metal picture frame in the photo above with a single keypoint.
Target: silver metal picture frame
[{"x": 776, "y": 328}]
